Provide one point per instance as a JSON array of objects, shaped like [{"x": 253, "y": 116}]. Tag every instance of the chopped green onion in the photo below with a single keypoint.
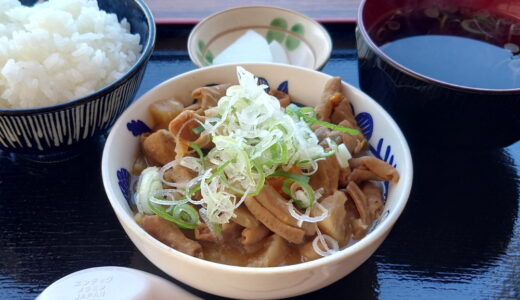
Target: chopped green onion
[
  {"x": 286, "y": 186},
  {"x": 334, "y": 150},
  {"x": 199, "y": 152},
  {"x": 261, "y": 181},
  {"x": 217, "y": 172},
  {"x": 307, "y": 189},
  {"x": 198, "y": 130},
  {"x": 293, "y": 176},
  {"x": 230, "y": 186},
  {"x": 220, "y": 169},
  {"x": 300, "y": 204},
  {"x": 331, "y": 126},
  {"x": 309, "y": 111},
  {"x": 259, "y": 186},
  {"x": 279, "y": 155},
  {"x": 343, "y": 156},
  {"x": 294, "y": 110},
  {"x": 149, "y": 182},
  {"x": 326, "y": 154},
  {"x": 184, "y": 215},
  {"x": 301, "y": 181}
]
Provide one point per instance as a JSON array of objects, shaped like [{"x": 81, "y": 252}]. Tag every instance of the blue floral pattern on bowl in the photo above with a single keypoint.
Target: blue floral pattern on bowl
[
  {"x": 263, "y": 81},
  {"x": 366, "y": 123},
  {"x": 284, "y": 87},
  {"x": 137, "y": 127},
  {"x": 123, "y": 180}
]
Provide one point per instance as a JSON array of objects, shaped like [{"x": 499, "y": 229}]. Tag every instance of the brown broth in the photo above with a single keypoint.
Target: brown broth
[{"x": 234, "y": 253}]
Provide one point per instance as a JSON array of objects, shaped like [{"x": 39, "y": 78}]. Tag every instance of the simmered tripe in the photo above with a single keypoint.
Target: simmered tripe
[
  {"x": 242, "y": 176},
  {"x": 60, "y": 50}
]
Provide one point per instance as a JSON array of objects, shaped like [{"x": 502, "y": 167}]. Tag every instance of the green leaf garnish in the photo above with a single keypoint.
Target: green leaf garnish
[
  {"x": 183, "y": 215},
  {"x": 293, "y": 109}
]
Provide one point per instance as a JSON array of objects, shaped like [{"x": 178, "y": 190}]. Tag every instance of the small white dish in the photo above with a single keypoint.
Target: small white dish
[
  {"x": 305, "y": 86},
  {"x": 114, "y": 283},
  {"x": 306, "y": 42}
]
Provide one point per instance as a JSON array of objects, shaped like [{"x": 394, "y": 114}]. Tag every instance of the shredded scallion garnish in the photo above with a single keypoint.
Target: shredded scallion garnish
[
  {"x": 254, "y": 138},
  {"x": 309, "y": 116},
  {"x": 184, "y": 215},
  {"x": 291, "y": 186},
  {"x": 198, "y": 130}
]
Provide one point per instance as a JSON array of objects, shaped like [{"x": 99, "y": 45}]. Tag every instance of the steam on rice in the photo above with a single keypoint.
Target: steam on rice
[{"x": 60, "y": 50}]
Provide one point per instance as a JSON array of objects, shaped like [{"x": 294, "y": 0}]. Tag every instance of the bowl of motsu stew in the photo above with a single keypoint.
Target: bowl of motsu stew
[{"x": 256, "y": 180}]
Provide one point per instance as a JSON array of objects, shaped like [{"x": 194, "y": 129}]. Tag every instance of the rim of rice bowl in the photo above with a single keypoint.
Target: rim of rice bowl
[{"x": 147, "y": 48}]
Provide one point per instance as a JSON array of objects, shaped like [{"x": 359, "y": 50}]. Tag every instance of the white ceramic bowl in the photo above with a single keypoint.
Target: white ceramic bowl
[
  {"x": 306, "y": 42},
  {"x": 61, "y": 131},
  {"x": 386, "y": 141}
]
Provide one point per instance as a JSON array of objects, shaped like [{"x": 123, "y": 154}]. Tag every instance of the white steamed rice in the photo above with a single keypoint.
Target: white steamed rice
[{"x": 60, "y": 50}]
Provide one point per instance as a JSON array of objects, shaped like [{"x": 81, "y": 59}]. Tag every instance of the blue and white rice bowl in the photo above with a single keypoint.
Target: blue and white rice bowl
[
  {"x": 57, "y": 131},
  {"x": 304, "y": 86}
]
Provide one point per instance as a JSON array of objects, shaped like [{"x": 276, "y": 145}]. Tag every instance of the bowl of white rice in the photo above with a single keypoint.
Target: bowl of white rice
[{"x": 68, "y": 69}]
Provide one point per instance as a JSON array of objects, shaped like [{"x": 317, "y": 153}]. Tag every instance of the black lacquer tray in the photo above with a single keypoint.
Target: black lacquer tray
[{"x": 459, "y": 236}]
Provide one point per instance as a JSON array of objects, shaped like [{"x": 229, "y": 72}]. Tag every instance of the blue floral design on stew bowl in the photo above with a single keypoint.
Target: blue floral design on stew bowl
[
  {"x": 59, "y": 131},
  {"x": 305, "y": 87}
]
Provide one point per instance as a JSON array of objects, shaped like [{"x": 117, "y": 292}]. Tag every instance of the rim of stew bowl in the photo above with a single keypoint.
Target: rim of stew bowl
[{"x": 373, "y": 237}]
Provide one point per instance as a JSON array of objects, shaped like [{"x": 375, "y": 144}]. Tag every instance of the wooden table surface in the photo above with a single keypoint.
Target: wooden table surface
[{"x": 190, "y": 12}]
